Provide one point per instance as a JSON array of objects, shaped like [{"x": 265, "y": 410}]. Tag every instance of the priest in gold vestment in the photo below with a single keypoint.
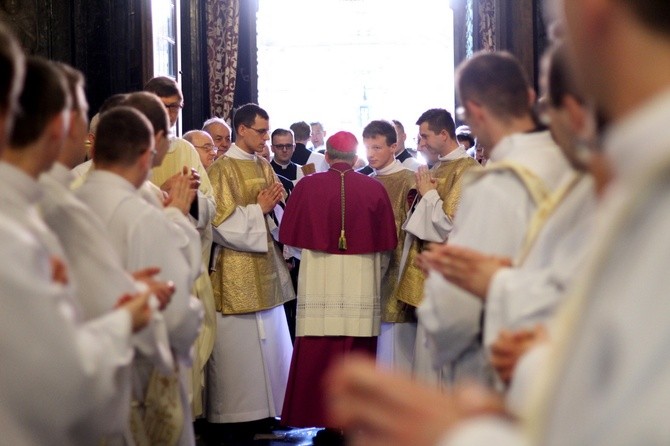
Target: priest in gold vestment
[
  {"x": 248, "y": 370},
  {"x": 432, "y": 217}
]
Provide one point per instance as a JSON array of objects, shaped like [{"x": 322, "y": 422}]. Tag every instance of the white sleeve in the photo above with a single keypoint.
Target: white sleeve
[
  {"x": 244, "y": 230},
  {"x": 53, "y": 373},
  {"x": 154, "y": 242},
  {"x": 206, "y": 210},
  {"x": 428, "y": 221},
  {"x": 450, "y": 315},
  {"x": 187, "y": 239}
]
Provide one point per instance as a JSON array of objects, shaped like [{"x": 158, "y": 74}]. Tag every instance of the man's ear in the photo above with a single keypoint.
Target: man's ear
[
  {"x": 59, "y": 126},
  {"x": 578, "y": 115},
  {"x": 532, "y": 97}
]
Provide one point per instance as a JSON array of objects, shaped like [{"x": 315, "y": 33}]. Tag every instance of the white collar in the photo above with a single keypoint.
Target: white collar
[
  {"x": 458, "y": 152},
  {"x": 510, "y": 145},
  {"x": 236, "y": 153},
  {"x": 394, "y": 167}
]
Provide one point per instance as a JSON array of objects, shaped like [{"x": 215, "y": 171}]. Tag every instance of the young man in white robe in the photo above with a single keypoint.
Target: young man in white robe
[
  {"x": 497, "y": 203},
  {"x": 144, "y": 237},
  {"x": 61, "y": 374},
  {"x": 90, "y": 253},
  {"x": 553, "y": 252}
]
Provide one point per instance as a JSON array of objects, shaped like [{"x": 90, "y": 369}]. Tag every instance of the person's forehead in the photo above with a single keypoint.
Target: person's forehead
[
  {"x": 202, "y": 138},
  {"x": 377, "y": 140},
  {"x": 283, "y": 137},
  {"x": 217, "y": 128}
]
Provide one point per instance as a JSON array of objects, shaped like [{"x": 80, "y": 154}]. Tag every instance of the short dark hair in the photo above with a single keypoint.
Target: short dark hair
[
  {"x": 301, "y": 130},
  {"x": 282, "y": 132},
  {"x": 381, "y": 128},
  {"x": 399, "y": 124},
  {"x": 653, "y": 13},
  {"x": 497, "y": 81},
  {"x": 246, "y": 115},
  {"x": 11, "y": 68},
  {"x": 163, "y": 87},
  {"x": 560, "y": 80},
  {"x": 123, "y": 135},
  {"x": 44, "y": 96},
  {"x": 151, "y": 107},
  {"x": 438, "y": 119},
  {"x": 75, "y": 81},
  {"x": 112, "y": 101}
]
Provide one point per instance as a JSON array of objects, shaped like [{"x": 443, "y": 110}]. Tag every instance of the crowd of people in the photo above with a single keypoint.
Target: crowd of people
[{"x": 509, "y": 291}]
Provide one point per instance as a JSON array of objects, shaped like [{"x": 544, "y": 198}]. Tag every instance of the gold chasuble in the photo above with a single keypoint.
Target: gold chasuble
[
  {"x": 449, "y": 176},
  {"x": 400, "y": 186},
  {"x": 245, "y": 282}
]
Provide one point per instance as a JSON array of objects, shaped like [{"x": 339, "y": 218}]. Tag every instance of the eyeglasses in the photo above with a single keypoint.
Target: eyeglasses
[
  {"x": 261, "y": 132},
  {"x": 285, "y": 147},
  {"x": 174, "y": 106}
]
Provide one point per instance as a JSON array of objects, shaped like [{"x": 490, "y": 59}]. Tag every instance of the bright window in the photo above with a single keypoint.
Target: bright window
[{"x": 346, "y": 62}]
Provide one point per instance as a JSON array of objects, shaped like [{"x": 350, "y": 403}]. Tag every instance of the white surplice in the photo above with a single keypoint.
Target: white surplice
[
  {"x": 144, "y": 237},
  {"x": 91, "y": 257},
  {"x": 611, "y": 385},
  {"x": 524, "y": 296},
  {"x": 249, "y": 366},
  {"x": 44, "y": 328},
  {"x": 493, "y": 217}
]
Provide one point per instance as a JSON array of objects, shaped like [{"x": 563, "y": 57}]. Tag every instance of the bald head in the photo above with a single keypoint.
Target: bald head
[
  {"x": 204, "y": 145},
  {"x": 219, "y": 130}
]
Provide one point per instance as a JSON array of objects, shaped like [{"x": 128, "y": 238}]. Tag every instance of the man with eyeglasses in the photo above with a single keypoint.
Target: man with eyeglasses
[
  {"x": 204, "y": 145},
  {"x": 283, "y": 146},
  {"x": 249, "y": 366},
  {"x": 181, "y": 154}
]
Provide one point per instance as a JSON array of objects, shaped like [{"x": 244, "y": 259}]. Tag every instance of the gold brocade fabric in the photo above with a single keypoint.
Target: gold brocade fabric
[
  {"x": 398, "y": 186},
  {"x": 449, "y": 176},
  {"x": 245, "y": 282},
  {"x": 161, "y": 420}
]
